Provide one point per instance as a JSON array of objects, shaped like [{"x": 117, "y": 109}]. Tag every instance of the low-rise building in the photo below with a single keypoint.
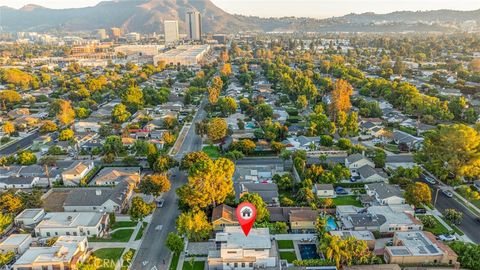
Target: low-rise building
[
  {"x": 72, "y": 223},
  {"x": 16, "y": 243},
  {"x": 66, "y": 253},
  {"x": 356, "y": 161},
  {"x": 29, "y": 218},
  {"x": 26, "y": 182},
  {"x": 366, "y": 236},
  {"x": 268, "y": 192},
  {"x": 368, "y": 173},
  {"x": 76, "y": 172},
  {"x": 237, "y": 251},
  {"x": 324, "y": 190},
  {"x": 222, "y": 216},
  {"x": 418, "y": 247},
  {"x": 110, "y": 176},
  {"x": 385, "y": 194}
]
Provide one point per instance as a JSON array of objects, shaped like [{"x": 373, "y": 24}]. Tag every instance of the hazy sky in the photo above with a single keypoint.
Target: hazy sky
[{"x": 310, "y": 8}]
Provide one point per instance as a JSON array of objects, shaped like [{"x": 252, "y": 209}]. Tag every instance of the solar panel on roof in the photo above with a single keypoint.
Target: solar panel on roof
[{"x": 432, "y": 249}]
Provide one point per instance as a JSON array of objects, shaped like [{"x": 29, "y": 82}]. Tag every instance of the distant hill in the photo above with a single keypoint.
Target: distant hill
[{"x": 148, "y": 16}]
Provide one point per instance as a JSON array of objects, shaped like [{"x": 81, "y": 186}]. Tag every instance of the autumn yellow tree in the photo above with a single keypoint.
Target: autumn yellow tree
[
  {"x": 194, "y": 225},
  {"x": 217, "y": 129},
  {"x": 226, "y": 69},
  {"x": 9, "y": 98},
  {"x": 224, "y": 56},
  {"x": 8, "y": 127},
  {"x": 340, "y": 99},
  {"x": 213, "y": 94},
  {"x": 209, "y": 183},
  {"x": 169, "y": 138},
  {"x": 66, "y": 114}
]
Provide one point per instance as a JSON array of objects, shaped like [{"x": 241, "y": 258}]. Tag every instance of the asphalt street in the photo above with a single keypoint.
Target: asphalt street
[
  {"x": 153, "y": 254},
  {"x": 470, "y": 226},
  {"x": 20, "y": 145}
]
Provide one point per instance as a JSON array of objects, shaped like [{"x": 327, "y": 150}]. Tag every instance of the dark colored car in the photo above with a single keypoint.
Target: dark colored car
[
  {"x": 341, "y": 191},
  {"x": 420, "y": 211}
]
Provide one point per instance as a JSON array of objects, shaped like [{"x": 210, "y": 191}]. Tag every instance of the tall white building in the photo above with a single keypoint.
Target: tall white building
[
  {"x": 194, "y": 25},
  {"x": 171, "y": 32}
]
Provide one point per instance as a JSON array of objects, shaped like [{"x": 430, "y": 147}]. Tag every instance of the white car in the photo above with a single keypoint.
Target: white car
[
  {"x": 447, "y": 238},
  {"x": 447, "y": 193},
  {"x": 430, "y": 180}
]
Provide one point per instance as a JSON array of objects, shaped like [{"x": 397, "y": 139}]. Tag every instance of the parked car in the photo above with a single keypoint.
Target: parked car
[
  {"x": 341, "y": 191},
  {"x": 447, "y": 238},
  {"x": 420, "y": 211},
  {"x": 430, "y": 180},
  {"x": 160, "y": 203},
  {"x": 447, "y": 193}
]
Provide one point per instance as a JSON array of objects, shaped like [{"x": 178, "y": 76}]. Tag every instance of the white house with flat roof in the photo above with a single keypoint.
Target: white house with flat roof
[
  {"x": 237, "y": 251},
  {"x": 16, "y": 243},
  {"x": 28, "y": 218},
  {"x": 66, "y": 253},
  {"x": 72, "y": 223}
]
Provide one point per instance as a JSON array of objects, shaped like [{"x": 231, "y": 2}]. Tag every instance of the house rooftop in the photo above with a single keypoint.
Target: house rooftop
[
  {"x": 70, "y": 219},
  {"x": 97, "y": 196},
  {"x": 233, "y": 237},
  {"x": 15, "y": 240},
  {"x": 414, "y": 244},
  {"x": 385, "y": 190},
  {"x": 355, "y": 157},
  {"x": 29, "y": 213}
]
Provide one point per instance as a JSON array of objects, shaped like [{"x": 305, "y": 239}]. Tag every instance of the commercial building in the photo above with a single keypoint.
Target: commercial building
[
  {"x": 66, "y": 253},
  {"x": 171, "y": 32},
  {"x": 28, "y": 218},
  {"x": 132, "y": 37},
  {"x": 139, "y": 50},
  {"x": 186, "y": 55},
  {"x": 194, "y": 25},
  {"x": 101, "y": 34},
  {"x": 16, "y": 243},
  {"x": 418, "y": 247},
  {"x": 237, "y": 251},
  {"x": 115, "y": 33},
  {"x": 72, "y": 223}
]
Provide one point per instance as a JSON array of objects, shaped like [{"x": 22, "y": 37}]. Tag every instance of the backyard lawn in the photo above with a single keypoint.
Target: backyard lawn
[
  {"x": 110, "y": 255},
  {"x": 347, "y": 200},
  {"x": 198, "y": 265},
  {"x": 118, "y": 236},
  {"x": 212, "y": 151},
  {"x": 288, "y": 255},
  {"x": 285, "y": 244},
  {"x": 123, "y": 224}
]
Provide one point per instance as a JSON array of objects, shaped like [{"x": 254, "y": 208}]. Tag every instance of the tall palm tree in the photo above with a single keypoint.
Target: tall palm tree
[{"x": 48, "y": 161}]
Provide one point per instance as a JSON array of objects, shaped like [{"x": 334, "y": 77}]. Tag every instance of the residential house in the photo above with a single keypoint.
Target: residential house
[
  {"x": 18, "y": 182},
  {"x": 303, "y": 221},
  {"x": 66, "y": 253},
  {"x": 40, "y": 172},
  {"x": 18, "y": 113},
  {"x": 393, "y": 162},
  {"x": 324, "y": 190},
  {"x": 29, "y": 218},
  {"x": 222, "y": 216},
  {"x": 417, "y": 247},
  {"x": 237, "y": 251},
  {"x": 385, "y": 219},
  {"x": 87, "y": 125},
  {"x": 102, "y": 199},
  {"x": 385, "y": 194},
  {"x": 76, "y": 172},
  {"x": 302, "y": 143},
  {"x": 368, "y": 173},
  {"x": 405, "y": 141},
  {"x": 110, "y": 176},
  {"x": 356, "y": 161},
  {"x": 16, "y": 243},
  {"x": 268, "y": 192},
  {"x": 72, "y": 223}
]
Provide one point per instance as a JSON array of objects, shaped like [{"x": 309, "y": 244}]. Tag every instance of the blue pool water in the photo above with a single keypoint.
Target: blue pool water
[
  {"x": 331, "y": 225},
  {"x": 250, "y": 125},
  {"x": 308, "y": 251}
]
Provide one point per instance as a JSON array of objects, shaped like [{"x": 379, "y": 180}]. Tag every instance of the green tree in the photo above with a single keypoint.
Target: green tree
[
  {"x": 113, "y": 145},
  {"x": 228, "y": 105},
  {"x": 263, "y": 111},
  {"x": 139, "y": 209},
  {"x": 6, "y": 258},
  {"x": 263, "y": 214},
  {"x": 5, "y": 221},
  {"x": 191, "y": 158},
  {"x": 163, "y": 163},
  {"x": 175, "y": 243},
  {"x": 453, "y": 215}
]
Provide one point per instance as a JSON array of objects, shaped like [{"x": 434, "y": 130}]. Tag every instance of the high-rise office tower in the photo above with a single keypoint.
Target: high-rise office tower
[
  {"x": 194, "y": 25},
  {"x": 171, "y": 32}
]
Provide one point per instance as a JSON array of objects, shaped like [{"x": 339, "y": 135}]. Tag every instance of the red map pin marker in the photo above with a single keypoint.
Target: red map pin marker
[{"x": 246, "y": 214}]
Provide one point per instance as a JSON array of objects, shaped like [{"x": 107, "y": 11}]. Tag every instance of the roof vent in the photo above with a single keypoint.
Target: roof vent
[{"x": 98, "y": 192}]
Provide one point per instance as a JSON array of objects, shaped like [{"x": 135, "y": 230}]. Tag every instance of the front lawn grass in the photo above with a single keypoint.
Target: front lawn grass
[
  {"x": 288, "y": 255},
  {"x": 347, "y": 200},
  {"x": 285, "y": 244},
  {"x": 212, "y": 151},
  {"x": 118, "y": 236},
  {"x": 197, "y": 265},
  {"x": 109, "y": 257},
  {"x": 123, "y": 224},
  {"x": 140, "y": 232},
  {"x": 437, "y": 229},
  {"x": 174, "y": 262}
]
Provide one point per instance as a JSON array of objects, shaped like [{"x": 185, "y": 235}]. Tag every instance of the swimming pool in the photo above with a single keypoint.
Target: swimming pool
[
  {"x": 308, "y": 251},
  {"x": 250, "y": 125},
  {"x": 331, "y": 225}
]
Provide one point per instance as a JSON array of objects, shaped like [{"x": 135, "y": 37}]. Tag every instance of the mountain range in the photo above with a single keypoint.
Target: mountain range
[{"x": 146, "y": 16}]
